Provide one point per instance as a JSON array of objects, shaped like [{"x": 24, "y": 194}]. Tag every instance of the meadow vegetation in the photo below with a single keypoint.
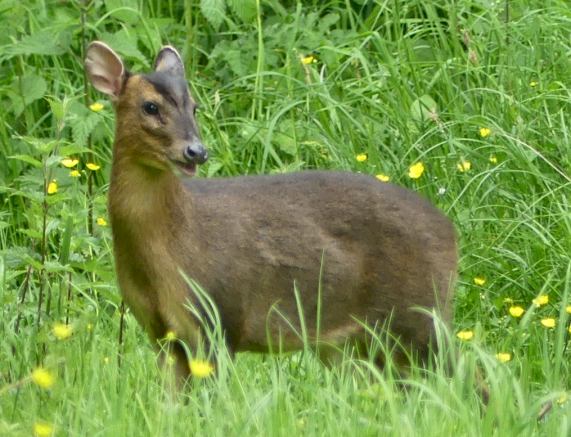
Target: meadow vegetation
[{"x": 467, "y": 102}]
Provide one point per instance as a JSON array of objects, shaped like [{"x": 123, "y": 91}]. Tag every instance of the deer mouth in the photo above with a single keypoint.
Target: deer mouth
[{"x": 188, "y": 168}]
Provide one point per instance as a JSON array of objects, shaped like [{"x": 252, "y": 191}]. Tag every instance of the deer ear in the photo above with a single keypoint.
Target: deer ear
[
  {"x": 169, "y": 61},
  {"x": 104, "y": 69}
]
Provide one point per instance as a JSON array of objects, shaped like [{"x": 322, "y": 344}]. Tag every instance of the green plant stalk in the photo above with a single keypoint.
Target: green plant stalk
[
  {"x": 85, "y": 5},
  {"x": 259, "y": 82}
]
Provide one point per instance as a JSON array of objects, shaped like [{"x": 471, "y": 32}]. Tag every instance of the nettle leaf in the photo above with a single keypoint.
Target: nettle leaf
[
  {"x": 25, "y": 90},
  {"x": 125, "y": 43},
  {"x": 214, "y": 11},
  {"x": 245, "y": 10},
  {"x": 15, "y": 256},
  {"x": 73, "y": 149},
  {"x": 56, "y": 267},
  {"x": 327, "y": 22},
  {"x": 59, "y": 107},
  {"x": 82, "y": 126},
  {"x": 44, "y": 42},
  {"x": 232, "y": 53},
  {"x": 42, "y": 145},
  {"x": 53, "y": 160},
  {"x": 149, "y": 32},
  {"x": 52, "y": 226},
  {"x": 32, "y": 233},
  {"x": 123, "y": 10},
  {"x": 28, "y": 159}
]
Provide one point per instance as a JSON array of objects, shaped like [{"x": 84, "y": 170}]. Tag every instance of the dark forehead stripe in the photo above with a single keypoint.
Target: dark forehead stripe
[{"x": 172, "y": 88}]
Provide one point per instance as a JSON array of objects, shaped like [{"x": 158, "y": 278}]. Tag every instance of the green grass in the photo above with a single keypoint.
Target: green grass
[{"x": 401, "y": 81}]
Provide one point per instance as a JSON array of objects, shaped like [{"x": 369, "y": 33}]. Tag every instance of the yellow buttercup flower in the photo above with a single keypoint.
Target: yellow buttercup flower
[
  {"x": 562, "y": 399},
  {"x": 96, "y": 107},
  {"x": 75, "y": 173},
  {"x": 568, "y": 309},
  {"x": 69, "y": 162},
  {"x": 93, "y": 167},
  {"x": 465, "y": 335},
  {"x": 485, "y": 132},
  {"x": 464, "y": 166},
  {"x": 52, "y": 187},
  {"x": 170, "y": 336},
  {"x": 361, "y": 157},
  {"x": 503, "y": 357},
  {"x": 383, "y": 177},
  {"x": 306, "y": 60},
  {"x": 62, "y": 331},
  {"x": 201, "y": 369},
  {"x": 541, "y": 300},
  {"x": 516, "y": 311},
  {"x": 548, "y": 322},
  {"x": 493, "y": 159},
  {"x": 43, "y": 429},
  {"x": 43, "y": 378},
  {"x": 479, "y": 280},
  {"x": 416, "y": 170},
  {"x": 533, "y": 83},
  {"x": 101, "y": 221}
]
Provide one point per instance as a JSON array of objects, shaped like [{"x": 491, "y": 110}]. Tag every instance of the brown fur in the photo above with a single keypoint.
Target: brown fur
[{"x": 375, "y": 250}]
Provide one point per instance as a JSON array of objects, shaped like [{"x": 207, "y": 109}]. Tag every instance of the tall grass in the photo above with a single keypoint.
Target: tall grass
[{"x": 477, "y": 91}]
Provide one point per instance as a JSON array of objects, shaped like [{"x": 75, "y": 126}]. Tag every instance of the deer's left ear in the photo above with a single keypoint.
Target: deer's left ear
[{"x": 169, "y": 61}]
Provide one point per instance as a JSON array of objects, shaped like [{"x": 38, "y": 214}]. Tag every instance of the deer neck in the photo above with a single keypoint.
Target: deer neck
[{"x": 147, "y": 199}]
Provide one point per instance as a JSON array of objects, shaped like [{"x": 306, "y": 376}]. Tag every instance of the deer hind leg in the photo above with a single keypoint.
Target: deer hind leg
[{"x": 173, "y": 361}]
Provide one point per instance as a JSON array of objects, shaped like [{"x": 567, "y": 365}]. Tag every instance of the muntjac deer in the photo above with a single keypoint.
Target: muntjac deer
[{"x": 360, "y": 250}]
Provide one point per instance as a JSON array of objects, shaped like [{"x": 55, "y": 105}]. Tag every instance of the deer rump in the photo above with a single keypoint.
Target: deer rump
[{"x": 357, "y": 250}]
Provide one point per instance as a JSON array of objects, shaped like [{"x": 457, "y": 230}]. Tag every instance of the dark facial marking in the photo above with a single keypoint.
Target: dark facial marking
[{"x": 172, "y": 88}]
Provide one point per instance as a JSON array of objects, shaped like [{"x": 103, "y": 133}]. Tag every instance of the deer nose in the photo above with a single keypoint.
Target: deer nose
[{"x": 196, "y": 153}]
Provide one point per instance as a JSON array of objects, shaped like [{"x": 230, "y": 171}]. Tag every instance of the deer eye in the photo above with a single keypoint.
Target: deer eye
[{"x": 150, "y": 108}]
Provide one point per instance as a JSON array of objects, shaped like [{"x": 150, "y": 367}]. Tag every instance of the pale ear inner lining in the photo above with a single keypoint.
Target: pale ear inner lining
[{"x": 104, "y": 68}]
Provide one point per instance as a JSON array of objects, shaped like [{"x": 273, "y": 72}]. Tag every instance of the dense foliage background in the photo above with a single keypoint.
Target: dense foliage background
[{"x": 465, "y": 101}]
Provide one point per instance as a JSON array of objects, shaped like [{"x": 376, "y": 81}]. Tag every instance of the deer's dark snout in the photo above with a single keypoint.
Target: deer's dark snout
[{"x": 195, "y": 153}]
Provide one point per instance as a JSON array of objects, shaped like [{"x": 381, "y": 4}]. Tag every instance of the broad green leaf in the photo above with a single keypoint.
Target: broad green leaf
[
  {"x": 58, "y": 108},
  {"x": 125, "y": 43},
  {"x": 56, "y": 267},
  {"x": 42, "y": 145},
  {"x": 28, "y": 159},
  {"x": 32, "y": 233},
  {"x": 34, "y": 196},
  {"x": 285, "y": 143},
  {"x": 327, "y": 21},
  {"x": 123, "y": 10},
  {"x": 213, "y": 168},
  {"x": 52, "y": 226},
  {"x": 44, "y": 42},
  {"x": 53, "y": 160},
  {"x": 81, "y": 128},
  {"x": 214, "y": 11},
  {"x": 73, "y": 149},
  {"x": 244, "y": 9},
  {"x": 424, "y": 108},
  {"x": 25, "y": 90}
]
